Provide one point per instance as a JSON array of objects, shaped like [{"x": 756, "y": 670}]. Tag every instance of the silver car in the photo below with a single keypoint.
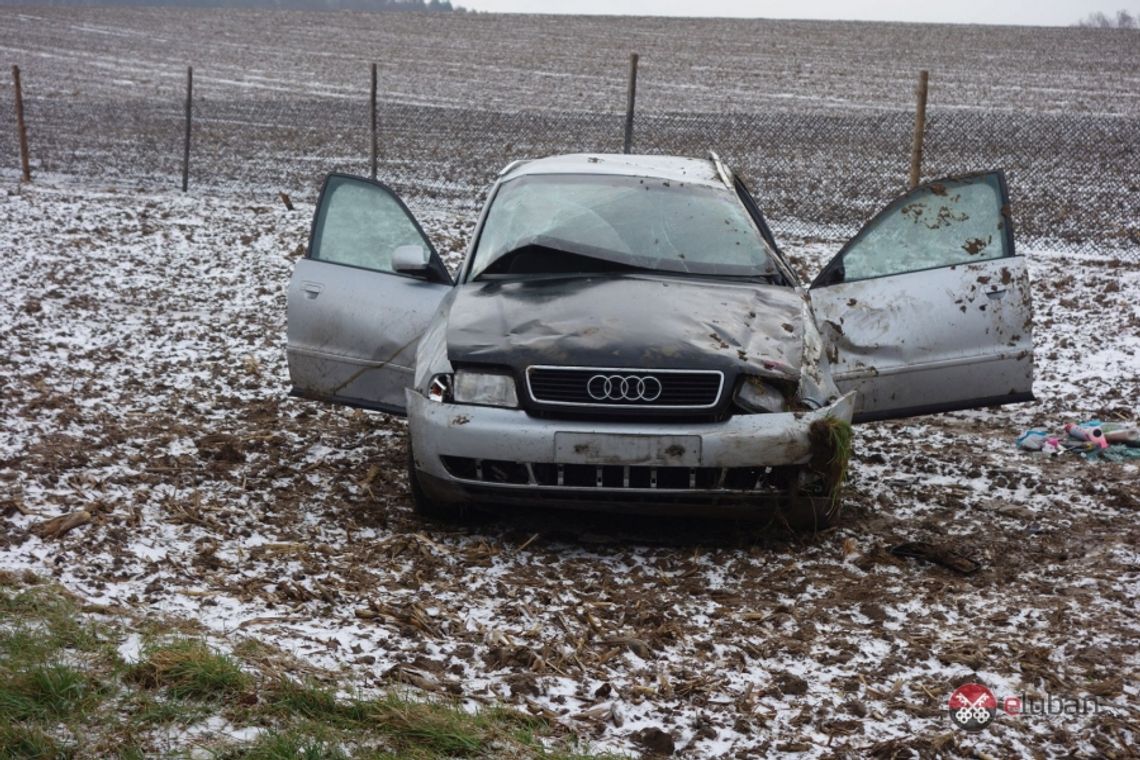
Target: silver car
[{"x": 625, "y": 333}]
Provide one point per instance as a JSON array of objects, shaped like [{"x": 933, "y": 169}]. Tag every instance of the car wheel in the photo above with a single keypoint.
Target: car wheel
[
  {"x": 811, "y": 514},
  {"x": 424, "y": 505},
  {"x": 813, "y": 506}
]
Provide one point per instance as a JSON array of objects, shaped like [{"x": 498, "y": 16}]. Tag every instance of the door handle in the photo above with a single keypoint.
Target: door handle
[
  {"x": 312, "y": 289},
  {"x": 995, "y": 294}
]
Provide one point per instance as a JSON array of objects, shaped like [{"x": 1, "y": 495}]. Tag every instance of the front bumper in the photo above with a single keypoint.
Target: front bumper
[{"x": 490, "y": 454}]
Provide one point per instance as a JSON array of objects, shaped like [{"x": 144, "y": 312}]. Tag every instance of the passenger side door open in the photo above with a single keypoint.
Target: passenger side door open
[
  {"x": 361, "y": 297},
  {"x": 927, "y": 309}
]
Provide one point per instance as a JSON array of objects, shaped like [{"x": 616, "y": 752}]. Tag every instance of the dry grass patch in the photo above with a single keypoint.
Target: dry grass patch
[{"x": 65, "y": 691}]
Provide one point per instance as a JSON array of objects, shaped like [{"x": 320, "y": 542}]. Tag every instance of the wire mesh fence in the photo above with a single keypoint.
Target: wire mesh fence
[{"x": 1075, "y": 178}]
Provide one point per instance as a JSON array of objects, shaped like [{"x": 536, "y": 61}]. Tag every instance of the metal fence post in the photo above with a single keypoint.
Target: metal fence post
[
  {"x": 632, "y": 96},
  {"x": 186, "y": 141},
  {"x": 23, "y": 131},
  {"x": 919, "y": 132},
  {"x": 372, "y": 114}
]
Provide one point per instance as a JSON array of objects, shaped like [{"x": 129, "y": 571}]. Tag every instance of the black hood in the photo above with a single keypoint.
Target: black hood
[{"x": 629, "y": 321}]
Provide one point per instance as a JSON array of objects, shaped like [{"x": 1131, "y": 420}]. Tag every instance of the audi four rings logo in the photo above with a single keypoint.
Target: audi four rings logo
[{"x": 624, "y": 388}]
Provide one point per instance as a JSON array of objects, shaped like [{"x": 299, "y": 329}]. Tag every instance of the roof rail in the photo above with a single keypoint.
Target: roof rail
[
  {"x": 723, "y": 171},
  {"x": 511, "y": 166}
]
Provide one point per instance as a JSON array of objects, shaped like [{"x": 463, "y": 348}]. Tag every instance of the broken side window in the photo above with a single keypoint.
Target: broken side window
[{"x": 936, "y": 225}]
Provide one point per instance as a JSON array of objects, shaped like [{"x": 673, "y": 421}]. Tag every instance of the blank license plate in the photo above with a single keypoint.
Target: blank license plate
[{"x": 647, "y": 450}]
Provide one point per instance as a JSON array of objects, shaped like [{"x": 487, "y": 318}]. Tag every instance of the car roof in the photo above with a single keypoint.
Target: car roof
[{"x": 697, "y": 171}]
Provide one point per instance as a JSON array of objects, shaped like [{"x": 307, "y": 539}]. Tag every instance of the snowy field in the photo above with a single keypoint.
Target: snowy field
[
  {"x": 573, "y": 62},
  {"x": 818, "y": 116},
  {"x": 143, "y": 381}
]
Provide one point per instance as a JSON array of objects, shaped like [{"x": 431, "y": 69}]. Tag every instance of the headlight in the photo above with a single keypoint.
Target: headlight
[
  {"x": 485, "y": 389},
  {"x": 759, "y": 396},
  {"x": 439, "y": 389}
]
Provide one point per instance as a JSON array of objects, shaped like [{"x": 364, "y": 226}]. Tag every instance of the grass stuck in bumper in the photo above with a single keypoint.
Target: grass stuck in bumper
[{"x": 79, "y": 682}]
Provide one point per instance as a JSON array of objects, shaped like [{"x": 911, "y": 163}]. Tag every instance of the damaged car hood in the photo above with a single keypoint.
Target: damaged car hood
[{"x": 619, "y": 321}]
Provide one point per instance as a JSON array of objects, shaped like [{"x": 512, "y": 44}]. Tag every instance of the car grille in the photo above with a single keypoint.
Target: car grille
[
  {"x": 619, "y": 477},
  {"x": 625, "y": 388}
]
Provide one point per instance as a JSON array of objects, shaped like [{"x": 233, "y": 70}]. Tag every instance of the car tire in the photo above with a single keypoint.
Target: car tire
[
  {"x": 811, "y": 514},
  {"x": 424, "y": 505},
  {"x": 812, "y": 508}
]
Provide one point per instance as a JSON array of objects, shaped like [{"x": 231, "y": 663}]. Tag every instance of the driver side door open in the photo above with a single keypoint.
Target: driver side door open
[
  {"x": 354, "y": 321},
  {"x": 928, "y": 308}
]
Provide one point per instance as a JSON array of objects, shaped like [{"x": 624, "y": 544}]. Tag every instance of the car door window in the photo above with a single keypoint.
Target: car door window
[
  {"x": 360, "y": 224},
  {"x": 953, "y": 221}
]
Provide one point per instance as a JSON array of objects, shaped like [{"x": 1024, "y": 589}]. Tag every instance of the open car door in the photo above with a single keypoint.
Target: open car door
[
  {"x": 928, "y": 309},
  {"x": 356, "y": 307}
]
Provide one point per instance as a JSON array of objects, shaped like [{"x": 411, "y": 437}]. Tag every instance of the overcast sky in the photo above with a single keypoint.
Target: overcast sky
[{"x": 1031, "y": 12}]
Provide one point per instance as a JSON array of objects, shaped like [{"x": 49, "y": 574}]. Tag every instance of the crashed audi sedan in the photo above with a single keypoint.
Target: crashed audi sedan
[{"x": 624, "y": 333}]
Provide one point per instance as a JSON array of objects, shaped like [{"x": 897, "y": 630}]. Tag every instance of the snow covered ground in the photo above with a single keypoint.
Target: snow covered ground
[
  {"x": 817, "y": 115},
  {"x": 570, "y": 62},
  {"x": 144, "y": 381}
]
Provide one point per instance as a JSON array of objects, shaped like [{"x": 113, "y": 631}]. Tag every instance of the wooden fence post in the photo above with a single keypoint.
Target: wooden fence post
[
  {"x": 632, "y": 96},
  {"x": 372, "y": 112},
  {"x": 186, "y": 142},
  {"x": 23, "y": 130},
  {"x": 919, "y": 132}
]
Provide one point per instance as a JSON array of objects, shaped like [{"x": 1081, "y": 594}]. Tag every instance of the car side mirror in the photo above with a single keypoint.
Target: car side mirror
[{"x": 411, "y": 260}]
